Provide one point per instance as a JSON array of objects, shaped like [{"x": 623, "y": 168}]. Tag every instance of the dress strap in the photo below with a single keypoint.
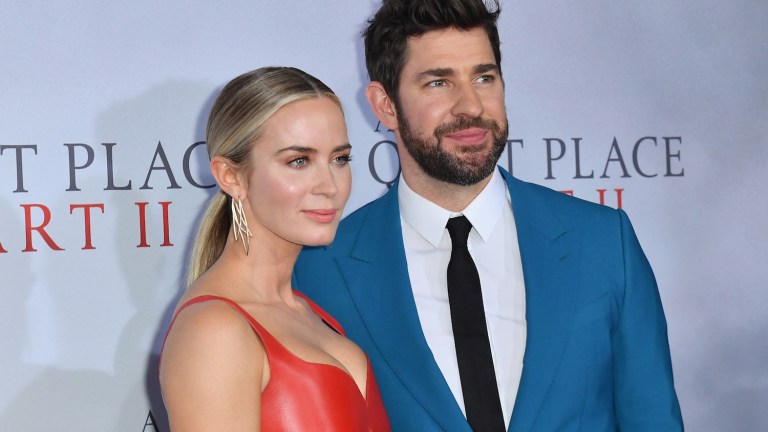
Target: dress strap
[
  {"x": 270, "y": 342},
  {"x": 266, "y": 337}
]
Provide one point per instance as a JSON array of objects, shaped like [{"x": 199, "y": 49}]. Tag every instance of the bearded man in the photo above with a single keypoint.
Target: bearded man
[{"x": 485, "y": 303}]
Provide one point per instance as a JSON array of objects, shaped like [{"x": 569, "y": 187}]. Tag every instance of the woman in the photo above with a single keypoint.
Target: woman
[{"x": 244, "y": 351}]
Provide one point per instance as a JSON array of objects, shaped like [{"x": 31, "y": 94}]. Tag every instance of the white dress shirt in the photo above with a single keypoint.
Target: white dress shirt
[{"x": 494, "y": 249}]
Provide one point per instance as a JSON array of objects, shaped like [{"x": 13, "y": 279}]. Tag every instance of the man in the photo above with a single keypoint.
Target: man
[{"x": 573, "y": 335}]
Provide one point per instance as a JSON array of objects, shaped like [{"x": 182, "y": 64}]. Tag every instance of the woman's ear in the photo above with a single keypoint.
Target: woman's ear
[
  {"x": 381, "y": 104},
  {"x": 228, "y": 177}
]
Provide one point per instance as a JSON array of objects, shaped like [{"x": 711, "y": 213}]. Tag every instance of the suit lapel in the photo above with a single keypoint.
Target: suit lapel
[
  {"x": 376, "y": 274},
  {"x": 550, "y": 270}
]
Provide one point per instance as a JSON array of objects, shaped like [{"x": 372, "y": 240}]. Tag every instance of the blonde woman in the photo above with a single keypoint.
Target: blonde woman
[{"x": 244, "y": 351}]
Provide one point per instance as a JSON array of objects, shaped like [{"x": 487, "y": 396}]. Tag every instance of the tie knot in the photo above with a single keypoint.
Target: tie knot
[{"x": 458, "y": 228}]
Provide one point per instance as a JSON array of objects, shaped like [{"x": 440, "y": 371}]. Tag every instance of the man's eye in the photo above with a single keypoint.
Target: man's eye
[
  {"x": 436, "y": 83},
  {"x": 485, "y": 79}
]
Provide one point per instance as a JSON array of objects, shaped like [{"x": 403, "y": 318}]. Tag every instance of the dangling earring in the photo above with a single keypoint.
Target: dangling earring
[{"x": 240, "y": 224}]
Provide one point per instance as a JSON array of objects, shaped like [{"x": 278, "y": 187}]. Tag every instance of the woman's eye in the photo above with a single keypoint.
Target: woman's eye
[
  {"x": 299, "y": 162},
  {"x": 343, "y": 159}
]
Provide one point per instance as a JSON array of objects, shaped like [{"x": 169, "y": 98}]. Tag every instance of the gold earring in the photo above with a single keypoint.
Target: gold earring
[{"x": 240, "y": 224}]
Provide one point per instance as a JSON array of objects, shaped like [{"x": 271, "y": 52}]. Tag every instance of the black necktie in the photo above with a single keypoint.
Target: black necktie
[{"x": 473, "y": 350}]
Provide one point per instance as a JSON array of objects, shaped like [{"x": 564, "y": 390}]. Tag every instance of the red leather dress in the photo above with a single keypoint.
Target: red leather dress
[{"x": 306, "y": 396}]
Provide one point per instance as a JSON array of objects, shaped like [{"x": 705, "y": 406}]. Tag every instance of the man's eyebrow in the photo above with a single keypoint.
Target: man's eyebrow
[
  {"x": 448, "y": 72},
  {"x": 486, "y": 67},
  {"x": 436, "y": 73}
]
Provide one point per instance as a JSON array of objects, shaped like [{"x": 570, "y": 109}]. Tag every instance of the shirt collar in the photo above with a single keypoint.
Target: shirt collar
[{"x": 429, "y": 219}]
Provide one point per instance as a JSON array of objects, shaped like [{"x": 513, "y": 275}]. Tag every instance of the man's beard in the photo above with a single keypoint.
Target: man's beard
[{"x": 441, "y": 165}]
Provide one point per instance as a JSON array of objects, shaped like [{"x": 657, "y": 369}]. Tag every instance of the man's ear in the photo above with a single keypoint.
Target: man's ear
[
  {"x": 381, "y": 104},
  {"x": 228, "y": 177}
]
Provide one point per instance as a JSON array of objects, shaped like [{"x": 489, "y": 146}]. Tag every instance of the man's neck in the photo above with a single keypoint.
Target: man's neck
[{"x": 449, "y": 196}]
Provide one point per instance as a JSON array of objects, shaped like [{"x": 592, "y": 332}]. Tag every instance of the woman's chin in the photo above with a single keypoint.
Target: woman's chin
[{"x": 319, "y": 241}]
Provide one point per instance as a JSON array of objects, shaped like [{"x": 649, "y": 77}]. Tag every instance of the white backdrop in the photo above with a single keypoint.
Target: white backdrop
[{"x": 102, "y": 103}]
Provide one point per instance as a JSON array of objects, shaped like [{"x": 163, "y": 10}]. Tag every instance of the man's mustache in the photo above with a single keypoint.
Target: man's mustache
[{"x": 465, "y": 123}]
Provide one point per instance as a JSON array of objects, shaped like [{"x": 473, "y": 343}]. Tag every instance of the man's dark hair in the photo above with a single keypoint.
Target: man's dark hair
[{"x": 397, "y": 20}]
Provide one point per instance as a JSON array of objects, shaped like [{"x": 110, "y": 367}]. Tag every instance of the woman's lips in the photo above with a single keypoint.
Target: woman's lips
[{"x": 321, "y": 215}]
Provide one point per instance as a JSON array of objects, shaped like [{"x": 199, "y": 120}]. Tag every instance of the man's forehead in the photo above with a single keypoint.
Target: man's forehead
[
  {"x": 437, "y": 36},
  {"x": 448, "y": 49}
]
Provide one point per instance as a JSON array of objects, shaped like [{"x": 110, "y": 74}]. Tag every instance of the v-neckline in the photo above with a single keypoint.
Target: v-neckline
[
  {"x": 332, "y": 366},
  {"x": 330, "y": 322}
]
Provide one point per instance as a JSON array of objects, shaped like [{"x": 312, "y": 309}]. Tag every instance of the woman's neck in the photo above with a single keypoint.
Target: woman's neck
[{"x": 263, "y": 275}]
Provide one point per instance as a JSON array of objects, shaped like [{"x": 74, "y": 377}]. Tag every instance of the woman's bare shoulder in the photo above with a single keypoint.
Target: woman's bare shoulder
[
  {"x": 211, "y": 323},
  {"x": 213, "y": 361}
]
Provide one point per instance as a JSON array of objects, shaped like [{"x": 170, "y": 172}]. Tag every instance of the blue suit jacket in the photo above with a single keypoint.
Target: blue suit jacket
[{"x": 596, "y": 357}]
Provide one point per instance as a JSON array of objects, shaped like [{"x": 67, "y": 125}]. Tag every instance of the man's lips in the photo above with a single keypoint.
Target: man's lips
[
  {"x": 472, "y": 136},
  {"x": 321, "y": 215}
]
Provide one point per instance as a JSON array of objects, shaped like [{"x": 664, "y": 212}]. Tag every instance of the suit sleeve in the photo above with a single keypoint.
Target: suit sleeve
[{"x": 645, "y": 398}]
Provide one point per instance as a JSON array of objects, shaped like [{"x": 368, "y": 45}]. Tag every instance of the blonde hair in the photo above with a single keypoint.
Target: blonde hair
[{"x": 236, "y": 122}]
